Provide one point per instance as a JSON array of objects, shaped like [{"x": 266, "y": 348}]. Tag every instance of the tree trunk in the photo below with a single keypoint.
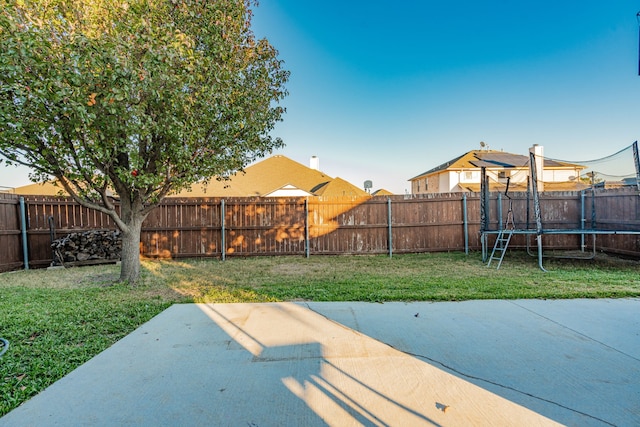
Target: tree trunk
[{"x": 130, "y": 268}]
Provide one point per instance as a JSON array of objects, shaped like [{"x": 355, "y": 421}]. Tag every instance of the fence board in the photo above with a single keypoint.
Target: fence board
[
  {"x": 10, "y": 238},
  {"x": 192, "y": 227},
  {"x": 348, "y": 225},
  {"x": 618, "y": 209}
]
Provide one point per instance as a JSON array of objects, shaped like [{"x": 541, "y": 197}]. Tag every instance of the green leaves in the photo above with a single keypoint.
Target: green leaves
[
  {"x": 158, "y": 82},
  {"x": 137, "y": 97}
]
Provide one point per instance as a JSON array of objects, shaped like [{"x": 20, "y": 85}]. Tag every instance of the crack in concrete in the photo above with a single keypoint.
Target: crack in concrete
[
  {"x": 476, "y": 378},
  {"x": 497, "y": 384}
]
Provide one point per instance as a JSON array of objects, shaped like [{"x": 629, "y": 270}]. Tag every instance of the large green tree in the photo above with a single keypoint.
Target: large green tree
[{"x": 137, "y": 98}]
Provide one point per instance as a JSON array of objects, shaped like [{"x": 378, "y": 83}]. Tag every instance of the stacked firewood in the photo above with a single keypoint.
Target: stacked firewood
[{"x": 87, "y": 247}]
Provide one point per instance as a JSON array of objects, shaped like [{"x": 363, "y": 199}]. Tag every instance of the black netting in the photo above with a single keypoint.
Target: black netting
[{"x": 618, "y": 169}]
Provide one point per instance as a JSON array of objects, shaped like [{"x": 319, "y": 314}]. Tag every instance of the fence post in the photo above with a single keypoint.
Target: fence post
[
  {"x": 390, "y": 227},
  {"x": 593, "y": 207},
  {"x": 583, "y": 220},
  {"x": 499, "y": 211},
  {"x": 636, "y": 161},
  {"x": 23, "y": 226},
  {"x": 306, "y": 227},
  {"x": 223, "y": 244},
  {"x": 465, "y": 223},
  {"x": 536, "y": 205},
  {"x": 484, "y": 211}
]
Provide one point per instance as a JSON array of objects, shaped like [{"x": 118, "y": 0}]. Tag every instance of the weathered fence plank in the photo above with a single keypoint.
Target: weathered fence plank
[{"x": 10, "y": 241}]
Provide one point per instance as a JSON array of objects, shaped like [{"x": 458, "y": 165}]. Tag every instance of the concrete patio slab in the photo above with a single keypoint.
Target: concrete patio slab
[{"x": 523, "y": 362}]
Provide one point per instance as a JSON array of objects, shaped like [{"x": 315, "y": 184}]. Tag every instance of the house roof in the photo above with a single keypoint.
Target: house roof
[
  {"x": 340, "y": 187},
  {"x": 259, "y": 179},
  {"x": 276, "y": 174},
  {"x": 287, "y": 190},
  {"x": 47, "y": 188},
  {"x": 273, "y": 174},
  {"x": 492, "y": 159},
  {"x": 382, "y": 192}
]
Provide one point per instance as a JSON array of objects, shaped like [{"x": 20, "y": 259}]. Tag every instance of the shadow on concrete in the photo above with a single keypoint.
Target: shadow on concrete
[
  {"x": 347, "y": 378},
  {"x": 311, "y": 364}
]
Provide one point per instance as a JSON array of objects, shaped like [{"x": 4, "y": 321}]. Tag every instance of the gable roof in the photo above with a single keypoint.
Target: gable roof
[
  {"x": 287, "y": 190},
  {"x": 277, "y": 170},
  {"x": 476, "y": 159},
  {"x": 340, "y": 187},
  {"x": 382, "y": 192},
  {"x": 275, "y": 174}
]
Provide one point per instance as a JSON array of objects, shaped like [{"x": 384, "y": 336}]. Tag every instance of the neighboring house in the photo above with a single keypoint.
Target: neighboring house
[
  {"x": 276, "y": 176},
  {"x": 382, "y": 192},
  {"x": 48, "y": 188},
  {"x": 463, "y": 174}
]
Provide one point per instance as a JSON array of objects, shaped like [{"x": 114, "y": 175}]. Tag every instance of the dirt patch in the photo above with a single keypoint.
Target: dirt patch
[{"x": 601, "y": 258}]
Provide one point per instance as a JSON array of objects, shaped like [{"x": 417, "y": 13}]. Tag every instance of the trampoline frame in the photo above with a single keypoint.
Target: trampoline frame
[{"x": 539, "y": 231}]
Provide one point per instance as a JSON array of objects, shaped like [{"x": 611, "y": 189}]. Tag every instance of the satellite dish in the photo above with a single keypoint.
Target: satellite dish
[
  {"x": 368, "y": 185},
  {"x": 482, "y": 144}
]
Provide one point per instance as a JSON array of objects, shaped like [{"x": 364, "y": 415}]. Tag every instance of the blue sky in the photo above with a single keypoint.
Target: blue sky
[{"x": 384, "y": 91}]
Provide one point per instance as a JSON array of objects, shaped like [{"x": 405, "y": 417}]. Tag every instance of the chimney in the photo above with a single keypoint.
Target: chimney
[
  {"x": 314, "y": 163},
  {"x": 538, "y": 151}
]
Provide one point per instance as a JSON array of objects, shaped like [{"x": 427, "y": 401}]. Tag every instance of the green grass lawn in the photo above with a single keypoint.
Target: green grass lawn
[{"x": 57, "y": 319}]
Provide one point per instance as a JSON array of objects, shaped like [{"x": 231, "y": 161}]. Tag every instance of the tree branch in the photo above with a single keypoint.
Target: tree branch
[{"x": 86, "y": 203}]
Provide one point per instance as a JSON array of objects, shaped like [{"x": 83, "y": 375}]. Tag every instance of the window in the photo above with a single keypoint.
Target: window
[
  {"x": 468, "y": 176},
  {"x": 504, "y": 174}
]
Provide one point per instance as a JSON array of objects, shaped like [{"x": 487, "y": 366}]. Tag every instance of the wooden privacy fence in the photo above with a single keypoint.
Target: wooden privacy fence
[
  {"x": 304, "y": 226},
  {"x": 214, "y": 227}
]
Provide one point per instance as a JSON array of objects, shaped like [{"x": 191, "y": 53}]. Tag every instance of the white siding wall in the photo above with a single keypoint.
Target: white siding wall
[
  {"x": 470, "y": 177},
  {"x": 445, "y": 182},
  {"x": 288, "y": 191},
  {"x": 561, "y": 175}
]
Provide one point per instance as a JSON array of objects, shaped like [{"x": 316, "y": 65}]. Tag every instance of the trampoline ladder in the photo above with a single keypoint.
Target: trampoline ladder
[{"x": 500, "y": 248}]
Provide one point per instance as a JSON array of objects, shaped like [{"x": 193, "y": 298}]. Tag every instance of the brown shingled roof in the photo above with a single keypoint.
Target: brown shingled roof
[
  {"x": 340, "y": 187},
  {"x": 492, "y": 159},
  {"x": 382, "y": 192},
  {"x": 48, "y": 188},
  {"x": 271, "y": 174},
  {"x": 260, "y": 179}
]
